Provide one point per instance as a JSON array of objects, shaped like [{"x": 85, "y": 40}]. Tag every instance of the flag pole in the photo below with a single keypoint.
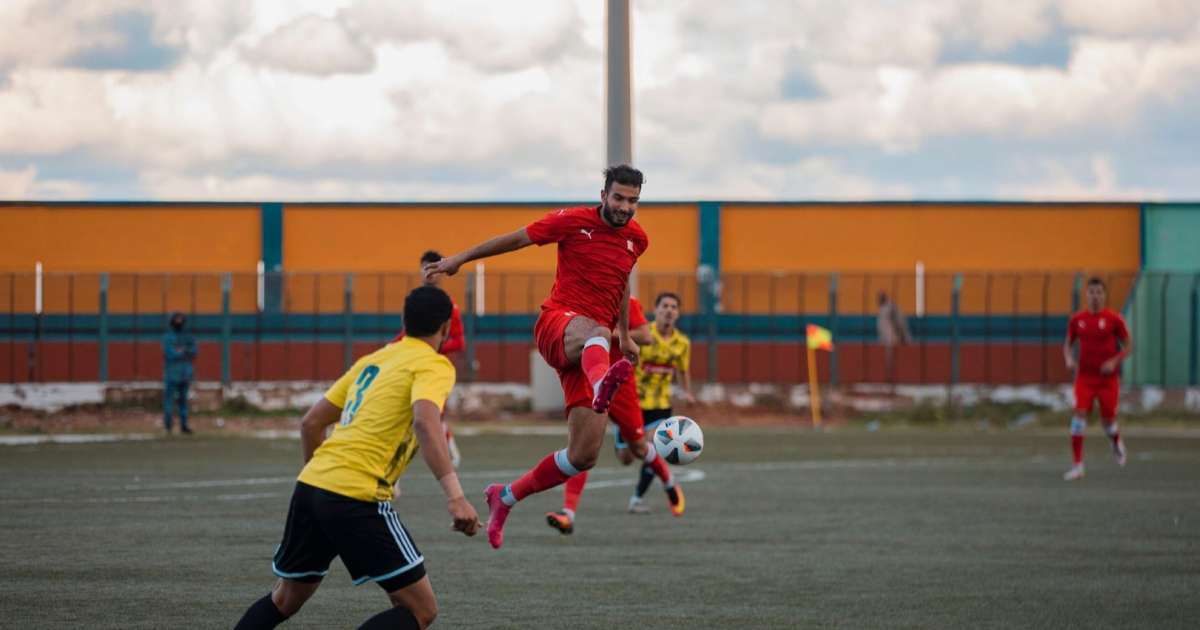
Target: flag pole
[{"x": 814, "y": 393}]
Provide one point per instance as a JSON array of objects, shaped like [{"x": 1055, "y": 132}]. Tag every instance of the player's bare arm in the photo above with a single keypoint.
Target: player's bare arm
[
  {"x": 312, "y": 427},
  {"x": 642, "y": 335},
  {"x": 1113, "y": 364},
  {"x": 493, "y": 247},
  {"x": 685, "y": 383},
  {"x": 629, "y": 347},
  {"x": 427, "y": 424},
  {"x": 1068, "y": 354}
]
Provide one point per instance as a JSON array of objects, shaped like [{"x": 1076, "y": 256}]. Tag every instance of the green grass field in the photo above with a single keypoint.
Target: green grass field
[{"x": 786, "y": 529}]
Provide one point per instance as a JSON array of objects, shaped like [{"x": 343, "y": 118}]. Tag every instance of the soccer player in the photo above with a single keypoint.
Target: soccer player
[
  {"x": 454, "y": 342},
  {"x": 597, "y": 248},
  {"x": 668, "y": 354},
  {"x": 626, "y": 415},
  {"x": 385, "y": 407},
  {"x": 1104, "y": 342}
]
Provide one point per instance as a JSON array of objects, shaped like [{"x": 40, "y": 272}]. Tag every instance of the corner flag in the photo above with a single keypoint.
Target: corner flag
[{"x": 819, "y": 338}]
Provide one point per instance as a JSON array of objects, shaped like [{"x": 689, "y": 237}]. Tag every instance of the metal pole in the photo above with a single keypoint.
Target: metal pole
[
  {"x": 469, "y": 325},
  {"x": 102, "y": 332},
  {"x": 617, "y": 81},
  {"x": 955, "y": 291},
  {"x": 1162, "y": 331},
  {"x": 833, "y": 327},
  {"x": 348, "y": 323},
  {"x": 1194, "y": 342},
  {"x": 226, "y": 329}
]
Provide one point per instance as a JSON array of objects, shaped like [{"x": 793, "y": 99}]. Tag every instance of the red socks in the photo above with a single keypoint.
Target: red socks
[
  {"x": 551, "y": 471},
  {"x": 595, "y": 359},
  {"x": 660, "y": 468},
  {"x": 1077, "y": 448},
  {"x": 573, "y": 490}
]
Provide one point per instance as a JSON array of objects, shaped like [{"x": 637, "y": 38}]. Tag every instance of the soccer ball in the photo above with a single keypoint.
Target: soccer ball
[{"x": 679, "y": 440}]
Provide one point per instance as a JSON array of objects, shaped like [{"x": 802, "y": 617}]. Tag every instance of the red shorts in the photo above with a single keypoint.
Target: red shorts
[
  {"x": 548, "y": 334},
  {"x": 1090, "y": 388},
  {"x": 626, "y": 412}
]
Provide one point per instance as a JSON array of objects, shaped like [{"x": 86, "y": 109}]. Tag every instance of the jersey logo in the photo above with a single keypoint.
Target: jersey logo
[
  {"x": 1102, "y": 324},
  {"x": 587, "y": 233},
  {"x": 629, "y": 244},
  {"x": 1082, "y": 324}
]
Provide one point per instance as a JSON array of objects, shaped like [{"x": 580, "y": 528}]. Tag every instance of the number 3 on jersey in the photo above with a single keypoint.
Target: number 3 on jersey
[{"x": 364, "y": 380}]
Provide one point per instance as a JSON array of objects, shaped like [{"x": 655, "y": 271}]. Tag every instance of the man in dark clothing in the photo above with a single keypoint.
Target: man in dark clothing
[{"x": 179, "y": 351}]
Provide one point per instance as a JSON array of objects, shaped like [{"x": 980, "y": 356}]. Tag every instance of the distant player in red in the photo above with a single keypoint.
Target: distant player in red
[
  {"x": 454, "y": 342},
  {"x": 588, "y": 306},
  {"x": 1104, "y": 342},
  {"x": 626, "y": 414}
]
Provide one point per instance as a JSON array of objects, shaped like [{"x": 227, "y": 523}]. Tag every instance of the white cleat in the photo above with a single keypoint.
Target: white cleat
[
  {"x": 1074, "y": 474},
  {"x": 637, "y": 506},
  {"x": 1119, "y": 452}
]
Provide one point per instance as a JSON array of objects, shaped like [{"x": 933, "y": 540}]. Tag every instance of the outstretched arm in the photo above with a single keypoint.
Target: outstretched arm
[
  {"x": 427, "y": 424},
  {"x": 629, "y": 347},
  {"x": 493, "y": 247}
]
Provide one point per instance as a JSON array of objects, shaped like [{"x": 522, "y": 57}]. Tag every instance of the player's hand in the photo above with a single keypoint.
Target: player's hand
[
  {"x": 1070, "y": 364},
  {"x": 447, "y": 266},
  {"x": 466, "y": 520},
  {"x": 689, "y": 398},
  {"x": 630, "y": 349},
  {"x": 1108, "y": 367}
]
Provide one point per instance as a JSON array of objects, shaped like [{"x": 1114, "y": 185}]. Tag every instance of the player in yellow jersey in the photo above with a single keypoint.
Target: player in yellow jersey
[
  {"x": 669, "y": 354},
  {"x": 385, "y": 407}
]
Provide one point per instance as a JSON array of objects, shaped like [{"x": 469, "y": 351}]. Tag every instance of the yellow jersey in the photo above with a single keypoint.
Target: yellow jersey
[
  {"x": 374, "y": 440},
  {"x": 657, "y": 365}
]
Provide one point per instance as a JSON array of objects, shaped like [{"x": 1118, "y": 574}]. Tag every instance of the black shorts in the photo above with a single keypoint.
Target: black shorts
[{"x": 369, "y": 537}]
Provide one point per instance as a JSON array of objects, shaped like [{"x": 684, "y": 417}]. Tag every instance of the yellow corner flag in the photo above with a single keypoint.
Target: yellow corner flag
[{"x": 819, "y": 338}]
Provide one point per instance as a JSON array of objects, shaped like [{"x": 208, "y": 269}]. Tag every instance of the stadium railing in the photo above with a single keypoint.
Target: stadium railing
[{"x": 999, "y": 327}]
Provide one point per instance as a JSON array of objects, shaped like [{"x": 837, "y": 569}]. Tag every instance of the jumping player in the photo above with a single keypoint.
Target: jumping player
[
  {"x": 597, "y": 248},
  {"x": 454, "y": 342},
  {"x": 669, "y": 354},
  {"x": 1104, "y": 342},
  {"x": 626, "y": 416},
  {"x": 387, "y": 405}
]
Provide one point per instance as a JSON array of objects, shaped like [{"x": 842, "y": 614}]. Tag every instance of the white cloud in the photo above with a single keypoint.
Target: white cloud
[
  {"x": 312, "y": 44},
  {"x": 1052, "y": 180},
  {"x": 24, "y": 184},
  {"x": 1132, "y": 17}
]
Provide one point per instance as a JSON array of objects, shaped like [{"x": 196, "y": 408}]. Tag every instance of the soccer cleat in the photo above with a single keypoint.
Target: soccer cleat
[
  {"x": 1119, "y": 452},
  {"x": 1075, "y": 473},
  {"x": 616, "y": 375},
  {"x": 560, "y": 521},
  {"x": 637, "y": 506},
  {"x": 677, "y": 505},
  {"x": 497, "y": 514},
  {"x": 185, "y": 431}
]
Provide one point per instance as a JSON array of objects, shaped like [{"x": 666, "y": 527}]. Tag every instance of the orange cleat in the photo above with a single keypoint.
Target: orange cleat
[
  {"x": 561, "y": 522},
  {"x": 678, "y": 503}
]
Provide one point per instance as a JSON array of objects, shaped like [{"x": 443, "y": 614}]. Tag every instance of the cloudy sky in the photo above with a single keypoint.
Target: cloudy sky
[{"x": 464, "y": 100}]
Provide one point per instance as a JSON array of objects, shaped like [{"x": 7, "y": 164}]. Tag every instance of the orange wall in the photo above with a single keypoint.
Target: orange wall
[
  {"x": 129, "y": 238},
  {"x": 391, "y": 238},
  {"x": 852, "y": 237}
]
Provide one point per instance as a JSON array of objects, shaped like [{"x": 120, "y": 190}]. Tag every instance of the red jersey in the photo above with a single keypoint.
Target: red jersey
[
  {"x": 1098, "y": 334},
  {"x": 637, "y": 317},
  {"x": 455, "y": 340},
  {"x": 594, "y": 261}
]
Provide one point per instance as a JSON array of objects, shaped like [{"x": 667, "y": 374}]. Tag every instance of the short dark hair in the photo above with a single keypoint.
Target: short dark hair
[
  {"x": 1097, "y": 280},
  {"x": 622, "y": 174},
  {"x": 425, "y": 310},
  {"x": 430, "y": 256},
  {"x": 667, "y": 294}
]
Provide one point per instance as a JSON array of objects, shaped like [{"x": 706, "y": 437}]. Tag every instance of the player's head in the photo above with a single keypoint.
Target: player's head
[
  {"x": 882, "y": 298},
  {"x": 177, "y": 321},
  {"x": 666, "y": 308},
  {"x": 428, "y": 258},
  {"x": 1097, "y": 294},
  {"x": 622, "y": 190},
  {"x": 427, "y": 313}
]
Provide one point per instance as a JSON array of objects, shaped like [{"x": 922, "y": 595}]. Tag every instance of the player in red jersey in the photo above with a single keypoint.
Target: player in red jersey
[
  {"x": 626, "y": 414},
  {"x": 597, "y": 249},
  {"x": 1104, "y": 342},
  {"x": 455, "y": 341}
]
